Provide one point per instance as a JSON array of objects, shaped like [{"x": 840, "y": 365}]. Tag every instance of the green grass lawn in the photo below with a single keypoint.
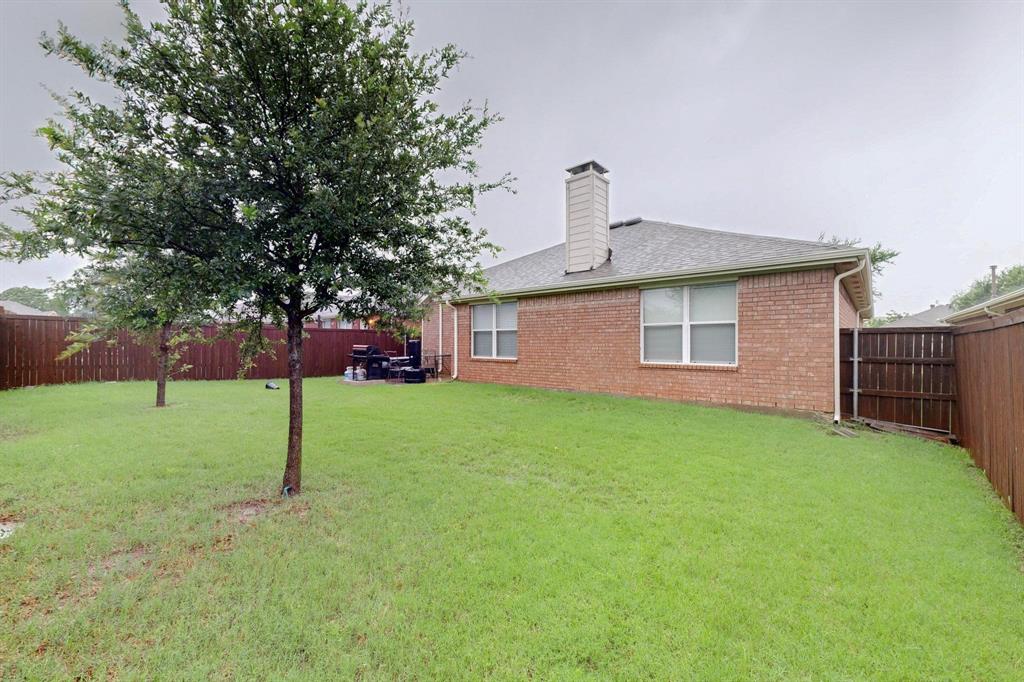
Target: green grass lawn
[{"x": 465, "y": 531}]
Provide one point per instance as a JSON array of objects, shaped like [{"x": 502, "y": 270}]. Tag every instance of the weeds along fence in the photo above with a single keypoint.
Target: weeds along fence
[{"x": 30, "y": 344}]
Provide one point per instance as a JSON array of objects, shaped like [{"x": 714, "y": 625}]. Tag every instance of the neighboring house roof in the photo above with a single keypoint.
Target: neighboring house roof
[
  {"x": 15, "y": 308},
  {"x": 651, "y": 250},
  {"x": 926, "y": 318},
  {"x": 994, "y": 306}
]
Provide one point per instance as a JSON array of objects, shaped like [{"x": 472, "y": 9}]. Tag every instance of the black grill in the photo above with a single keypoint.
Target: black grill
[{"x": 371, "y": 359}]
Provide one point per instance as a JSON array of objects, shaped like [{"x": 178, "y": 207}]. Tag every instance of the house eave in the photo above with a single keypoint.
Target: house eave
[
  {"x": 774, "y": 265},
  {"x": 998, "y": 305}
]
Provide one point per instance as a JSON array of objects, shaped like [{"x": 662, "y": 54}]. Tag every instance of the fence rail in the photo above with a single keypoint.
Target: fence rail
[
  {"x": 900, "y": 375},
  {"x": 30, "y": 344}
]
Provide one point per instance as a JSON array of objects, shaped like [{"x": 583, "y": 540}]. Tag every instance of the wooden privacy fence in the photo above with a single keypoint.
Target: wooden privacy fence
[
  {"x": 29, "y": 346},
  {"x": 900, "y": 375},
  {"x": 965, "y": 380},
  {"x": 990, "y": 374}
]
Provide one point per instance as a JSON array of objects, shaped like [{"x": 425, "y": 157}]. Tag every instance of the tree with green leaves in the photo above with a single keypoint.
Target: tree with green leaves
[
  {"x": 305, "y": 143},
  {"x": 153, "y": 297},
  {"x": 880, "y": 256},
  {"x": 46, "y": 300},
  {"x": 980, "y": 290},
  {"x": 882, "y": 320}
]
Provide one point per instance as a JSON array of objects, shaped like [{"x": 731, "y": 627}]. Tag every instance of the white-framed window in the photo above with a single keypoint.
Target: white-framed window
[
  {"x": 495, "y": 330},
  {"x": 689, "y": 325}
]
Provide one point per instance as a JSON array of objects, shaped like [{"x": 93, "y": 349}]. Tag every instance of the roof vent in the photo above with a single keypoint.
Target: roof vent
[
  {"x": 623, "y": 223},
  {"x": 586, "y": 217}
]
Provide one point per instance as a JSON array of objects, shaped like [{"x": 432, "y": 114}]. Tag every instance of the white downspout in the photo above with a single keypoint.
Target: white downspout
[
  {"x": 455, "y": 340},
  {"x": 835, "y": 335},
  {"x": 440, "y": 329}
]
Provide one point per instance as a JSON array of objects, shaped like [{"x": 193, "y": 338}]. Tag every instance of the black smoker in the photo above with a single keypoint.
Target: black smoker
[
  {"x": 413, "y": 350},
  {"x": 371, "y": 359}
]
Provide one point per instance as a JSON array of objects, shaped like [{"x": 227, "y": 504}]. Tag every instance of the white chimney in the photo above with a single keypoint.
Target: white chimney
[{"x": 586, "y": 217}]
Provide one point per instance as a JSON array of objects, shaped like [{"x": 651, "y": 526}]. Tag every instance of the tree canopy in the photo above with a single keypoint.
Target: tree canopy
[
  {"x": 882, "y": 320},
  {"x": 980, "y": 290},
  {"x": 156, "y": 297},
  {"x": 294, "y": 153},
  {"x": 45, "y": 300},
  {"x": 881, "y": 257}
]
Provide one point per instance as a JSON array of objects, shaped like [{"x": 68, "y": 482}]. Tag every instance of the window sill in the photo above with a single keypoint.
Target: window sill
[
  {"x": 476, "y": 358},
  {"x": 689, "y": 366}
]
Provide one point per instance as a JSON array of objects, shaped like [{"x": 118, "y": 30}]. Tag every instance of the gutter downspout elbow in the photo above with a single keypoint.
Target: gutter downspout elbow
[
  {"x": 835, "y": 336},
  {"x": 455, "y": 340}
]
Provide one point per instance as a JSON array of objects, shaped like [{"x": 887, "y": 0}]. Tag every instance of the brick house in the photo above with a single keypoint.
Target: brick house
[{"x": 655, "y": 309}]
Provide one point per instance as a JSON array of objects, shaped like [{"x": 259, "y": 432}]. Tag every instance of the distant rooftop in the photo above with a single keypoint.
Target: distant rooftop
[
  {"x": 15, "y": 308},
  {"x": 931, "y": 317}
]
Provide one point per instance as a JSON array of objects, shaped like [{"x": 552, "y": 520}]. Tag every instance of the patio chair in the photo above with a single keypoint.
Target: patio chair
[{"x": 396, "y": 371}]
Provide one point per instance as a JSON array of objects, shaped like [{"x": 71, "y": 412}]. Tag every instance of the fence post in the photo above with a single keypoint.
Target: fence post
[{"x": 856, "y": 367}]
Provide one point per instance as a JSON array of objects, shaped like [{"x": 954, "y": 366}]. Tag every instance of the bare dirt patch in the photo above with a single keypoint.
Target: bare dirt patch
[
  {"x": 300, "y": 509},
  {"x": 249, "y": 510},
  {"x": 11, "y": 433},
  {"x": 124, "y": 562},
  {"x": 223, "y": 543},
  {"x": 28, "y": 606},
  {"x": 69, "y": 595}
]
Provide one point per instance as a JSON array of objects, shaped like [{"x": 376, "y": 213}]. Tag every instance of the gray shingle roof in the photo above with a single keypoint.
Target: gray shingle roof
[
  {"x": 650, "y": 248},
  {"x": 16, "y": 308},
  {"x": 926, "y": 318}
]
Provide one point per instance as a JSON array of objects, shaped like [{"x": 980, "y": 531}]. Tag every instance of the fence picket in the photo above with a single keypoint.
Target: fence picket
[{"x": 903, "y": 376}]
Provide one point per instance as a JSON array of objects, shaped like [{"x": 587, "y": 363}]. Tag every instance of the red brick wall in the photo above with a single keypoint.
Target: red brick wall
[
  {"x": 847, "y": 310},
  {"x": 590, "y": 341},
  {"x": 429, "y": 333}
]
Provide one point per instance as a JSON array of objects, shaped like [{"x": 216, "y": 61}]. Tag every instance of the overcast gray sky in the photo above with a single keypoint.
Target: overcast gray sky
[{"x": 898, "y": 122}]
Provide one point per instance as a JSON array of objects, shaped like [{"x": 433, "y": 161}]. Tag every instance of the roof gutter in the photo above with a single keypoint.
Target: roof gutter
[
  {"x": 990, "y": 307},
  {"x": 835, "y": 333},
  {"x": 843, "y": 256}
]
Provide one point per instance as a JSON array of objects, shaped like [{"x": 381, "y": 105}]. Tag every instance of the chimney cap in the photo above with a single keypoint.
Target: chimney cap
[{"x": 587, "y": 165}]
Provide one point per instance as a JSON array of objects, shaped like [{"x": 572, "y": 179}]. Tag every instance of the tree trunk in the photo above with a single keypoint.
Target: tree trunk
[
  {"x": 292, "y": 484},
  {"x": 163, "y": 364}
]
